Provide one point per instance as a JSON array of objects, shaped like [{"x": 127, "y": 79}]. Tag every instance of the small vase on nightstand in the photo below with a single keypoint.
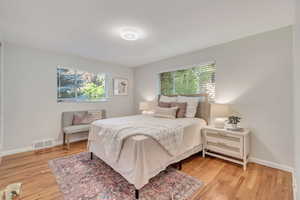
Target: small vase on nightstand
[
  {"x": 234, "y": 126},
  {"x": 233, "y": 122}
]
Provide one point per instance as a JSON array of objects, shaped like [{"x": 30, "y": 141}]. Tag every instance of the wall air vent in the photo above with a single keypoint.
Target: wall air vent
[{"x": 42, "y": 144}]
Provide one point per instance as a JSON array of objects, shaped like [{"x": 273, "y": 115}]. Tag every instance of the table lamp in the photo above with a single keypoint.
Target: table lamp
[
  {"x": 219, "y": 114},
  {"x": 146, "y": 107}
]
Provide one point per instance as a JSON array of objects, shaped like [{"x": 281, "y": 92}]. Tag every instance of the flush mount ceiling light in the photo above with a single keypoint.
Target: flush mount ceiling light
[{"x": 130, "y": 34}]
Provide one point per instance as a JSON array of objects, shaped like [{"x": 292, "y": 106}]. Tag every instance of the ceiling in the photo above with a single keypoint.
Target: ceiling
[{"x": 89, "y": 28}]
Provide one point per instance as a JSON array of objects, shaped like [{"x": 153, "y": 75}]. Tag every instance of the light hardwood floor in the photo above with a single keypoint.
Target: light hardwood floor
[{"x": 223, "y": 180}]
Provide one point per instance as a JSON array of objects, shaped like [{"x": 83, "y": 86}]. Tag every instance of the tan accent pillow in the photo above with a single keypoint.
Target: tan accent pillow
[
  {"x": 164, "y": 104},
  {"x": 165, "y": 112},
  {"x": 181, "y": 109},
  {"x": 78, "y": 118}
]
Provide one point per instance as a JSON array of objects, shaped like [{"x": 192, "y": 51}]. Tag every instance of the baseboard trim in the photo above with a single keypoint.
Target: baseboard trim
[
  {"x": 15, "y": 151},
  {"x": 272, "y": 164},
  {"x": 30, "y": 148}
]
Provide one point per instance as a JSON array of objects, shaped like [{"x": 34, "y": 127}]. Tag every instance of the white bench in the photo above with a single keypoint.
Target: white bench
[{"x": 68, "y": 128}]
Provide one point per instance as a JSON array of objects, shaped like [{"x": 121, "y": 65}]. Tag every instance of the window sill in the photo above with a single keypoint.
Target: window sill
[{"x": 84, "y": 101}]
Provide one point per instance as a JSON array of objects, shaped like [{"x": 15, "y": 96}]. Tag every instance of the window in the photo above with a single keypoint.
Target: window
[
  {"x": 189, "y": 81},
  {"x": 77, "y": 85}
]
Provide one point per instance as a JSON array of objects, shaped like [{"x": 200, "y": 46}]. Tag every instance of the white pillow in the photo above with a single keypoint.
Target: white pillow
[
  {"x": 167, "y": 99},
  {"x": 192, "y": 105},
  {"x": 165, "y": 112}
]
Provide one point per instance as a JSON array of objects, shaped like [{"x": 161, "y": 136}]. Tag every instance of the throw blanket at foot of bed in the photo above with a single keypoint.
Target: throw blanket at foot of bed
[{"x": 113, "y": 132}]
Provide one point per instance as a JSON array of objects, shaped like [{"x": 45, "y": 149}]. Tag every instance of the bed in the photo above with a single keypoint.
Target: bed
[{"x": 140, "y": 157}]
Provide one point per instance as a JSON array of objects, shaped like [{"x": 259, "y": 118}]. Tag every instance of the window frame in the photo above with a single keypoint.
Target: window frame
[{"x": 75, "y": 99}]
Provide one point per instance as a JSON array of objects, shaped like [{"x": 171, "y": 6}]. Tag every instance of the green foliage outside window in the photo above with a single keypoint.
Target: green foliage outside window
[
  {"x": 93, "y": 91},
  {"x": 189, "y": 81},
  {"x": 76, "y": 85},
  {"x": 185, "y": 82},
  {"x": 166, "y": 83}
]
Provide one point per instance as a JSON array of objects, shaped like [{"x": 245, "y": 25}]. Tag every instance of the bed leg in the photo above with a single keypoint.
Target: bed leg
[
  {"x": 180, "y": 165},
  {"x": 91, "y": 155},
  {"x": 136, "y": 194}
]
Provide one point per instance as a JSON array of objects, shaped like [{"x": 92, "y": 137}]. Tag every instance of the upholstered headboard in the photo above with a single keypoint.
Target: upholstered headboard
[{"x": 203, "y": 110}]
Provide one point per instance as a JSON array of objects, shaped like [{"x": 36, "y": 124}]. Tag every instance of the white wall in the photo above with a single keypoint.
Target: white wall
[
  {"x": 296, "y": 73},
  {"x": 255, "y": 75},
  {"x": 1, "y": 94},
  {"x": 30, "y": 108}
]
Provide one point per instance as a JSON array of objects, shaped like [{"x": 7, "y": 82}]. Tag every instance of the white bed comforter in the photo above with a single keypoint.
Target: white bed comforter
[
  {"x": 142, "y": 157},
  {"x": 113, "y": 132}
]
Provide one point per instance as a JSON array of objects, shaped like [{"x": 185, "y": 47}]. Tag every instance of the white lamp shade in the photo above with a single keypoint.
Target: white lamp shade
[
  {"x": 219, "y": 122},
  {"x": 219, "y": 110},
  {"x": 144, "y": 105}
]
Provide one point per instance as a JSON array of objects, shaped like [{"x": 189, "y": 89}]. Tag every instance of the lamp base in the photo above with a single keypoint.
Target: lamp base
[
  {"x": 147, "y": 112},
  {"x": 220, "y": 122}
]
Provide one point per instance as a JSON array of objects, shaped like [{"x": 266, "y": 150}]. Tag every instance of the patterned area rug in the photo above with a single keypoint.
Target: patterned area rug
[{"x": 80, "y": 178}]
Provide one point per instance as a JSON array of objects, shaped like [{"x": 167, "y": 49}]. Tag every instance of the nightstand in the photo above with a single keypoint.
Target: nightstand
[{"x": 229, "y": 145}]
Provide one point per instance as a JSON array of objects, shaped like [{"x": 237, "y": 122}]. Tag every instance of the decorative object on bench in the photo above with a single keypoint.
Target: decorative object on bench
[
  {"x": 219, "y": 114},
  {"x": 78, "y": 122},
  {"x": 11, "y": 192}
]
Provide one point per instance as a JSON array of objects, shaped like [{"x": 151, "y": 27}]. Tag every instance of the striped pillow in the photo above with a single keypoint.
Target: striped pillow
[{"x": 165, "y": 112}]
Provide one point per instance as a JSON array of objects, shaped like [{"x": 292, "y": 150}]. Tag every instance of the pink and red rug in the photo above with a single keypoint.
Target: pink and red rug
[{"x": 80, "y": 178}]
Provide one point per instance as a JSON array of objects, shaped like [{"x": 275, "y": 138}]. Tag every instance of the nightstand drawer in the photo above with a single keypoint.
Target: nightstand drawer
[
  {"x": 221, "y": 135},
  {"x": 224, "y": 149},
  {"x": 225, "y": 141}
]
